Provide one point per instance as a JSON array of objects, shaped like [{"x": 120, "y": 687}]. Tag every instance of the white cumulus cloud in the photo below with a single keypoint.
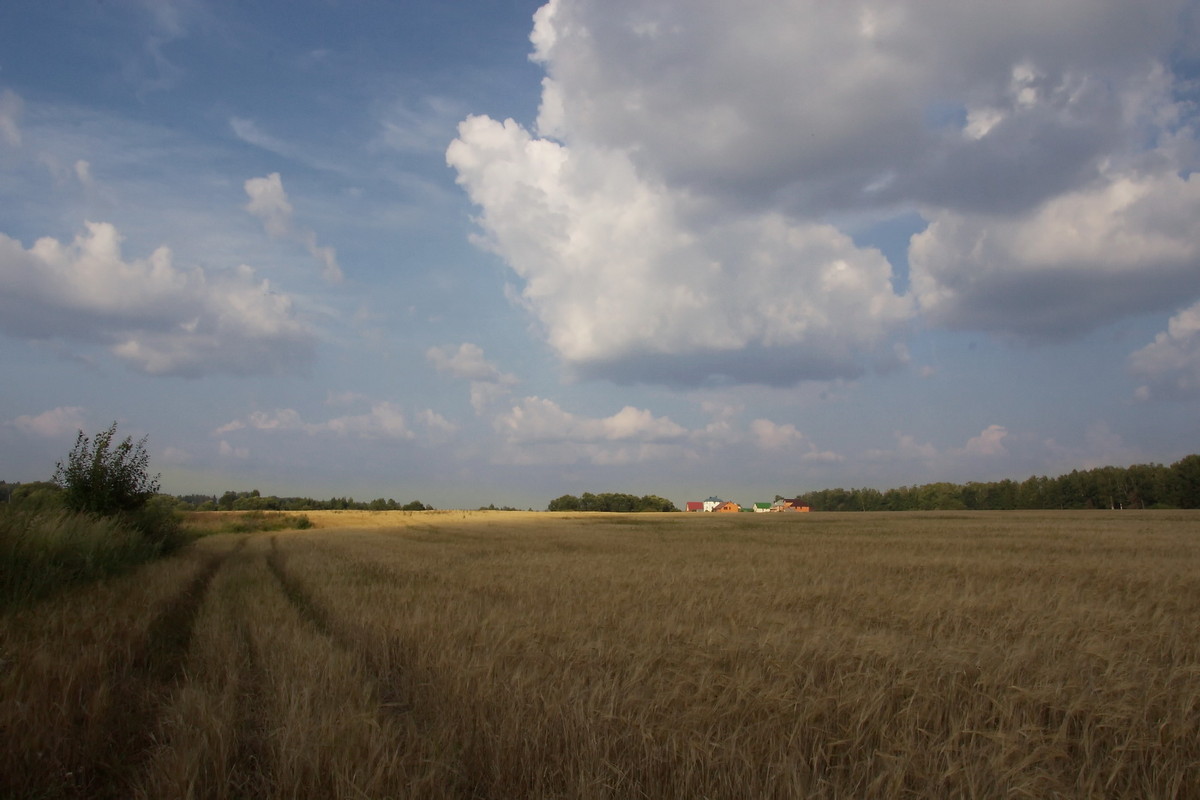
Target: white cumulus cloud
[
  {"x": 1170, "y": 364},
  {"x": 807, "y": 103},
  {"x": 158, "y": 318},
  {"x": 990, "y": 442},
  {"x": 269, "y": 202},
  {"x": 1124, "y": 244},
  {"x": 467, "y": 361},
  {"x": 680, "y": 212},
  {"x": 540, "y": 420},
  {"x": 630, "y": 282}
]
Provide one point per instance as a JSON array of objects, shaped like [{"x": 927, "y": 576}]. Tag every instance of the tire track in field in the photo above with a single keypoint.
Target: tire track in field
[
  {"x": 250, "y": 770},
  {"x": 300, "y": 598},
  {"x": 388, "y": 699},
  {"x": 140, "y": 686}
]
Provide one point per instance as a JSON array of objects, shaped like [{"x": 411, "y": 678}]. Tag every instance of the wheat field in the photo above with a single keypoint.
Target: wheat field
[{"x": 521, "y": 655}]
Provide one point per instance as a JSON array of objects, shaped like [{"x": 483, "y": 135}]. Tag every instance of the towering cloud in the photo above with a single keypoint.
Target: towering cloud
[
  {"x": 687, "y": 207},
  {"x": 634, "y": 280}
]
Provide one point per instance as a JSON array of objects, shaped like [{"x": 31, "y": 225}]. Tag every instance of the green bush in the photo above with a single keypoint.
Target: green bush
[
  {"x": 160, "y": 524},
  {"x": 248, "y": 522},
  {"x": 99, "y": 478},
  {"x": 37, "y": 496}
]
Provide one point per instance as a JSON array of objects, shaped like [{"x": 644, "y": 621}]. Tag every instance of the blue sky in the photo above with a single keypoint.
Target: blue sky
[{"x": 495, "y": 252}]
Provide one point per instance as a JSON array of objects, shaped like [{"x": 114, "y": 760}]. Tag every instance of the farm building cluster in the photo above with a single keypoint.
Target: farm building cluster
[{"x": 718, "y": 505}]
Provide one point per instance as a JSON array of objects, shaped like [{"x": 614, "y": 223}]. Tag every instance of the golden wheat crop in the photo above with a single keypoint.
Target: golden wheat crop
[{"x": 506, "y": 655}]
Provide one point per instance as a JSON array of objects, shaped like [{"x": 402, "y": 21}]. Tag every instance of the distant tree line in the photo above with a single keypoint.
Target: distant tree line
[
  {"x": 254, "y": 501},
  {"x": 49, "y": 493},
  {"x": 1137, "y": 486},
  {"x": 32, "y": 494},
  {"x": 610, "y": 501}
]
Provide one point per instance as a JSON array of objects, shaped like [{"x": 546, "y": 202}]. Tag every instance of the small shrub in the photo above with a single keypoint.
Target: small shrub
[{"x": 160, "y": 524}]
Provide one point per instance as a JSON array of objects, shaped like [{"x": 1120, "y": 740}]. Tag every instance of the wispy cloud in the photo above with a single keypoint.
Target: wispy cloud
[
  {"x": 771, "y": 436},
  {"x": 423, "y": 127},
  {"x": 269, "y": 202},
  {"x": 488, "y": 384},
  {"x": 150, "y": 69},
  {"x": 249, "y": 132},
  {"x": 55, "y": 423},
  {"x": 10, "y": 112},
  {"x": 383, "y": 420}
]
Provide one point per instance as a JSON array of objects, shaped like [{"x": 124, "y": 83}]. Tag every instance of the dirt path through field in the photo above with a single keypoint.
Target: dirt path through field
[{"x": 124, "y": 734}]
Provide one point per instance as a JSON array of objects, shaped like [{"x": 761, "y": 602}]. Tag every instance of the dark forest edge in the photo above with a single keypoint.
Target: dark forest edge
[{"x": 1141, "y": 486}]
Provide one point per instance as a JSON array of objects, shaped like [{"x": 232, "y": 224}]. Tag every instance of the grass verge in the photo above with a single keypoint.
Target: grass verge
[
  {"x": 43, "y": 551},
  {"x": 207, "y": 522}
]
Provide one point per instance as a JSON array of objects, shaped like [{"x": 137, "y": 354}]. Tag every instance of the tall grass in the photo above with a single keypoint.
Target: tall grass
[
  {"x": 42, "y": 551},
  {"x": 82, "y": 673}
]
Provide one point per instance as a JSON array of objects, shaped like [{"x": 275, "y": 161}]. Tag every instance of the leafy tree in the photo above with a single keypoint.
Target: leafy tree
[
  {"x": 256, "y": 502},
  {"x": 101, "y": 478},
  {"x": 197, "y": 499},
  {"x": 1185, "y": 482},
  {"x": 610, "y": 501},
  {"x": 653, "y": 502},
  {"x": 568, "y": 502}
]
